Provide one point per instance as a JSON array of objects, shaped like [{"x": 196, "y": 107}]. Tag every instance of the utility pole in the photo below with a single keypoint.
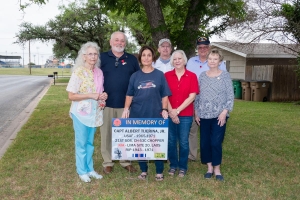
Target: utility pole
[
  {"x": 23, "y": 54},
  {"x": 29, "y": 60}
]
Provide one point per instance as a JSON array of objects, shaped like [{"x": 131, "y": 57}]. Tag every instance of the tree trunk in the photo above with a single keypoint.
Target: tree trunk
[
  {"x": 156, "y": 20},
  {"x": 190, "y": 31}
]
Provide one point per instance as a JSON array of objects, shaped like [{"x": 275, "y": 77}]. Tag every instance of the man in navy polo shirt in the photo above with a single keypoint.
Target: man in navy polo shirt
[
  {"x": 117, "y": 67},
  {"x": 198, "y": 64}
]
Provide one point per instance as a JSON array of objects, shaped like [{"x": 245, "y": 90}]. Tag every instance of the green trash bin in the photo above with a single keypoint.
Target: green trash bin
[{"x": 237, "y": 88}]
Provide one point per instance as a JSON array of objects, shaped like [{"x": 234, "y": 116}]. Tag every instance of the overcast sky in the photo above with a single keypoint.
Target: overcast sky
[{"x": 10, "y": 19}]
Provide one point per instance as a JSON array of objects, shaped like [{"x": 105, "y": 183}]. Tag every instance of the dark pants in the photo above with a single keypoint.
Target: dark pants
[
  {"x": 211, "y": 139},
  {"x": 159, "y": 164}
]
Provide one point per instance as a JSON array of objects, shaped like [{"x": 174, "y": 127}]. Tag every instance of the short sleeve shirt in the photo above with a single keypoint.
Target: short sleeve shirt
[
  {"x": 147, "y": 90},
  {"x": 195, "y": 65},
  {"x": 181, "y": 89},
  {"x": 117, "y": 72}
]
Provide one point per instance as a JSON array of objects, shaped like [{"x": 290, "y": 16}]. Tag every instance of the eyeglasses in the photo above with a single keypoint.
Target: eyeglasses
[
  {"x": 117, "y": 62},
  {"x": 91, "y": 54}
]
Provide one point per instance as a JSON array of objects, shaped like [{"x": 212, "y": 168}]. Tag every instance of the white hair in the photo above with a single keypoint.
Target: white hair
[
  {"x": 113, "y": 35},
  {"x": 183, "y": 56},
  {"x": 79, "y": 61}
]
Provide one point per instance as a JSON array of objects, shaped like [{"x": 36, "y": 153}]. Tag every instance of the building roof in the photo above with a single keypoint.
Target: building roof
[
  {"x": 259, "y": 50},
  {"x": 10, "y": 57}
]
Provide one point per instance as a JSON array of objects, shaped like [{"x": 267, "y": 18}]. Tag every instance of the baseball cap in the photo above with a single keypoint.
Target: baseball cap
[
  {"x": 203, "y": 40},
  {"x": 164, "y": 40}
]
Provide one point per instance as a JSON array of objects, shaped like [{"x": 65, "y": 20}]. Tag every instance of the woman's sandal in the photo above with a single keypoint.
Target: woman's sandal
[
  {"x": 143, "y": 176},
  {"x": 181, "y": 173},
  {"x": 159, "y": 177},
  {"x": 172, "y": 171}
]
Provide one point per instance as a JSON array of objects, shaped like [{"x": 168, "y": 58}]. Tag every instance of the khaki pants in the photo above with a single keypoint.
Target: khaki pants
[
  {"x": 106, "y": 136},
  {"x": 193, "y": 140}
]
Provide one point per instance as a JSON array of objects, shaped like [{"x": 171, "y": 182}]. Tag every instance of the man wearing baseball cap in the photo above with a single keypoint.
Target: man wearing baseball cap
[
  {"x": 198, "y": 64},
  {"x": 163, "y": 62}
]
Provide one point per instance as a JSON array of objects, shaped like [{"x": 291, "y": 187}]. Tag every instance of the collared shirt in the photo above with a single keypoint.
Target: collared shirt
[
  {"x": 195, "y": 65},
  {"x": 162, "y": 66},
  {"x": 181, "y": 89},
  {"x": 117, "y": 73}
]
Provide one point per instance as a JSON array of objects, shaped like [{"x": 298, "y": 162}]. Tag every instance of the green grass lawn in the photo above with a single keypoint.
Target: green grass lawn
[
  {"x": 35, "y": 71},
  {"x": 260, "y": 159}
]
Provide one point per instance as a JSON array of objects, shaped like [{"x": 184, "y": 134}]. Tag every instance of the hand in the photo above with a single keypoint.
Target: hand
[
  {"x": 125, "y": 113},
  {"x": 173, "y": 113},
  {"x": 175, "y": 120},
  {"x": 164, "y": 114},
  {"x": 222, "y": 118},
  {"x": 197, "y": 119},
  {"x": 103, "y": 96}
]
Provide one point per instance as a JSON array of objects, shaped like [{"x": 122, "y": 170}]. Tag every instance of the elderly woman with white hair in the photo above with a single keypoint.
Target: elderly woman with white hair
[
  {"x": 184, "y": 87},
  {"x": 88, "y": 100}
]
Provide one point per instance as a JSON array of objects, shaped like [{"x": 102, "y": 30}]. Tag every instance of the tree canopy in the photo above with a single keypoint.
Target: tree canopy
[
  {"x": 269, "y": 20},
  {"x": 78, "y": 23},
  {"x": 148, "y": 22},
  {"x": 180, "y": 20}
]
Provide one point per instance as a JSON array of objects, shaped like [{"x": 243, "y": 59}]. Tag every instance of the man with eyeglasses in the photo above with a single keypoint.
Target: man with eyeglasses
[
  {"x": 117, "y": 67},
  {"x": 163, "y": 62},
  {"x": 198, "y": 64}
]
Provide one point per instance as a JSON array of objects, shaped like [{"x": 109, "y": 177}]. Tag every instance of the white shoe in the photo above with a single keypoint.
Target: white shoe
[
  {"x": 95, "y": 175},
  {"x": 85, "y": 178}
]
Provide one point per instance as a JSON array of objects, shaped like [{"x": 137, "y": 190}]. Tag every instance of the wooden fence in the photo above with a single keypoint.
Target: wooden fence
[{"x": 284, "y": 83}]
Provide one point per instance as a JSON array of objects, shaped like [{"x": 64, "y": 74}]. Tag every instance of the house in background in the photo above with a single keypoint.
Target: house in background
[{"x": 264, "y": 62}]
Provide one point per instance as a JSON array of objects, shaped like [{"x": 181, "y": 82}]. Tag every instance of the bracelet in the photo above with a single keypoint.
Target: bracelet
[{"x": 164, "y": 109}]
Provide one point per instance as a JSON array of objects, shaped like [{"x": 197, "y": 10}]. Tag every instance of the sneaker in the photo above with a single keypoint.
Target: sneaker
[
  {"x": 181, "y": 173},
  {"x": 85, "y": 178},
  {"x": 95, "y": 175}
]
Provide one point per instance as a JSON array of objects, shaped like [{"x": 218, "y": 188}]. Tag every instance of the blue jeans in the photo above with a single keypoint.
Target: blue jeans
[
  {"x": 84, "y": 147},
  {"x": 179, "y": 133},
  {"x": 159, "y": 164},
  {"x": 211, "y": 139}
]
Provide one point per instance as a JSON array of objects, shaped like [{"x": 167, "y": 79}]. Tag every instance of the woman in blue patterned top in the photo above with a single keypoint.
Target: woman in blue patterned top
[{"x": 212, "y": 108}]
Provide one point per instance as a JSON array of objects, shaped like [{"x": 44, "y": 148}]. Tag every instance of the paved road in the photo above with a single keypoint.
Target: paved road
[{"x": 16, "y": 92}]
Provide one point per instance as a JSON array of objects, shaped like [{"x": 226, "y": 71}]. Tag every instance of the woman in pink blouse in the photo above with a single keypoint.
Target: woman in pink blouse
[{"x": 88, "y": 100}]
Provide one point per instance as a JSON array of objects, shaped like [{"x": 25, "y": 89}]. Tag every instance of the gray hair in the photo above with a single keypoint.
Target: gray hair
[
  {"x": 113, "y": 34},
  {"x": 79, "y": 61},
  {"x": 216, "y": 52},
  {"x": 183, "y": 55}
]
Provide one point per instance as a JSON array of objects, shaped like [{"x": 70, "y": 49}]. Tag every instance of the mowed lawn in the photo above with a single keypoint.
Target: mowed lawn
[
  {"x": 36, "y": 71},
  {"x": 261, "y": 159}
]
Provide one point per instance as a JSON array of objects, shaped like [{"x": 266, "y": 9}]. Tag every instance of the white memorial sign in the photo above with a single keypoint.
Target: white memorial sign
[{"x": 139, "y": 139}]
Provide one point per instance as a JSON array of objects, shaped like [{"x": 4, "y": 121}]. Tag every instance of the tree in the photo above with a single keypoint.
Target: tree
[
  {"x": 78, "y": 23},
  {"x": 24, "y": 4},
  {"x": 180, "y": 20},
  {"x": 275, "y": 21}
]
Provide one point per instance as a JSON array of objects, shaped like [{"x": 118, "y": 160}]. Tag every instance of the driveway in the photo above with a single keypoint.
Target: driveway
[{"x": 16, "y": 94}]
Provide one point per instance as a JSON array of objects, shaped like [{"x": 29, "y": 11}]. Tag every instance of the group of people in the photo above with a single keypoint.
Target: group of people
[{"x": 112, "y": 85}]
